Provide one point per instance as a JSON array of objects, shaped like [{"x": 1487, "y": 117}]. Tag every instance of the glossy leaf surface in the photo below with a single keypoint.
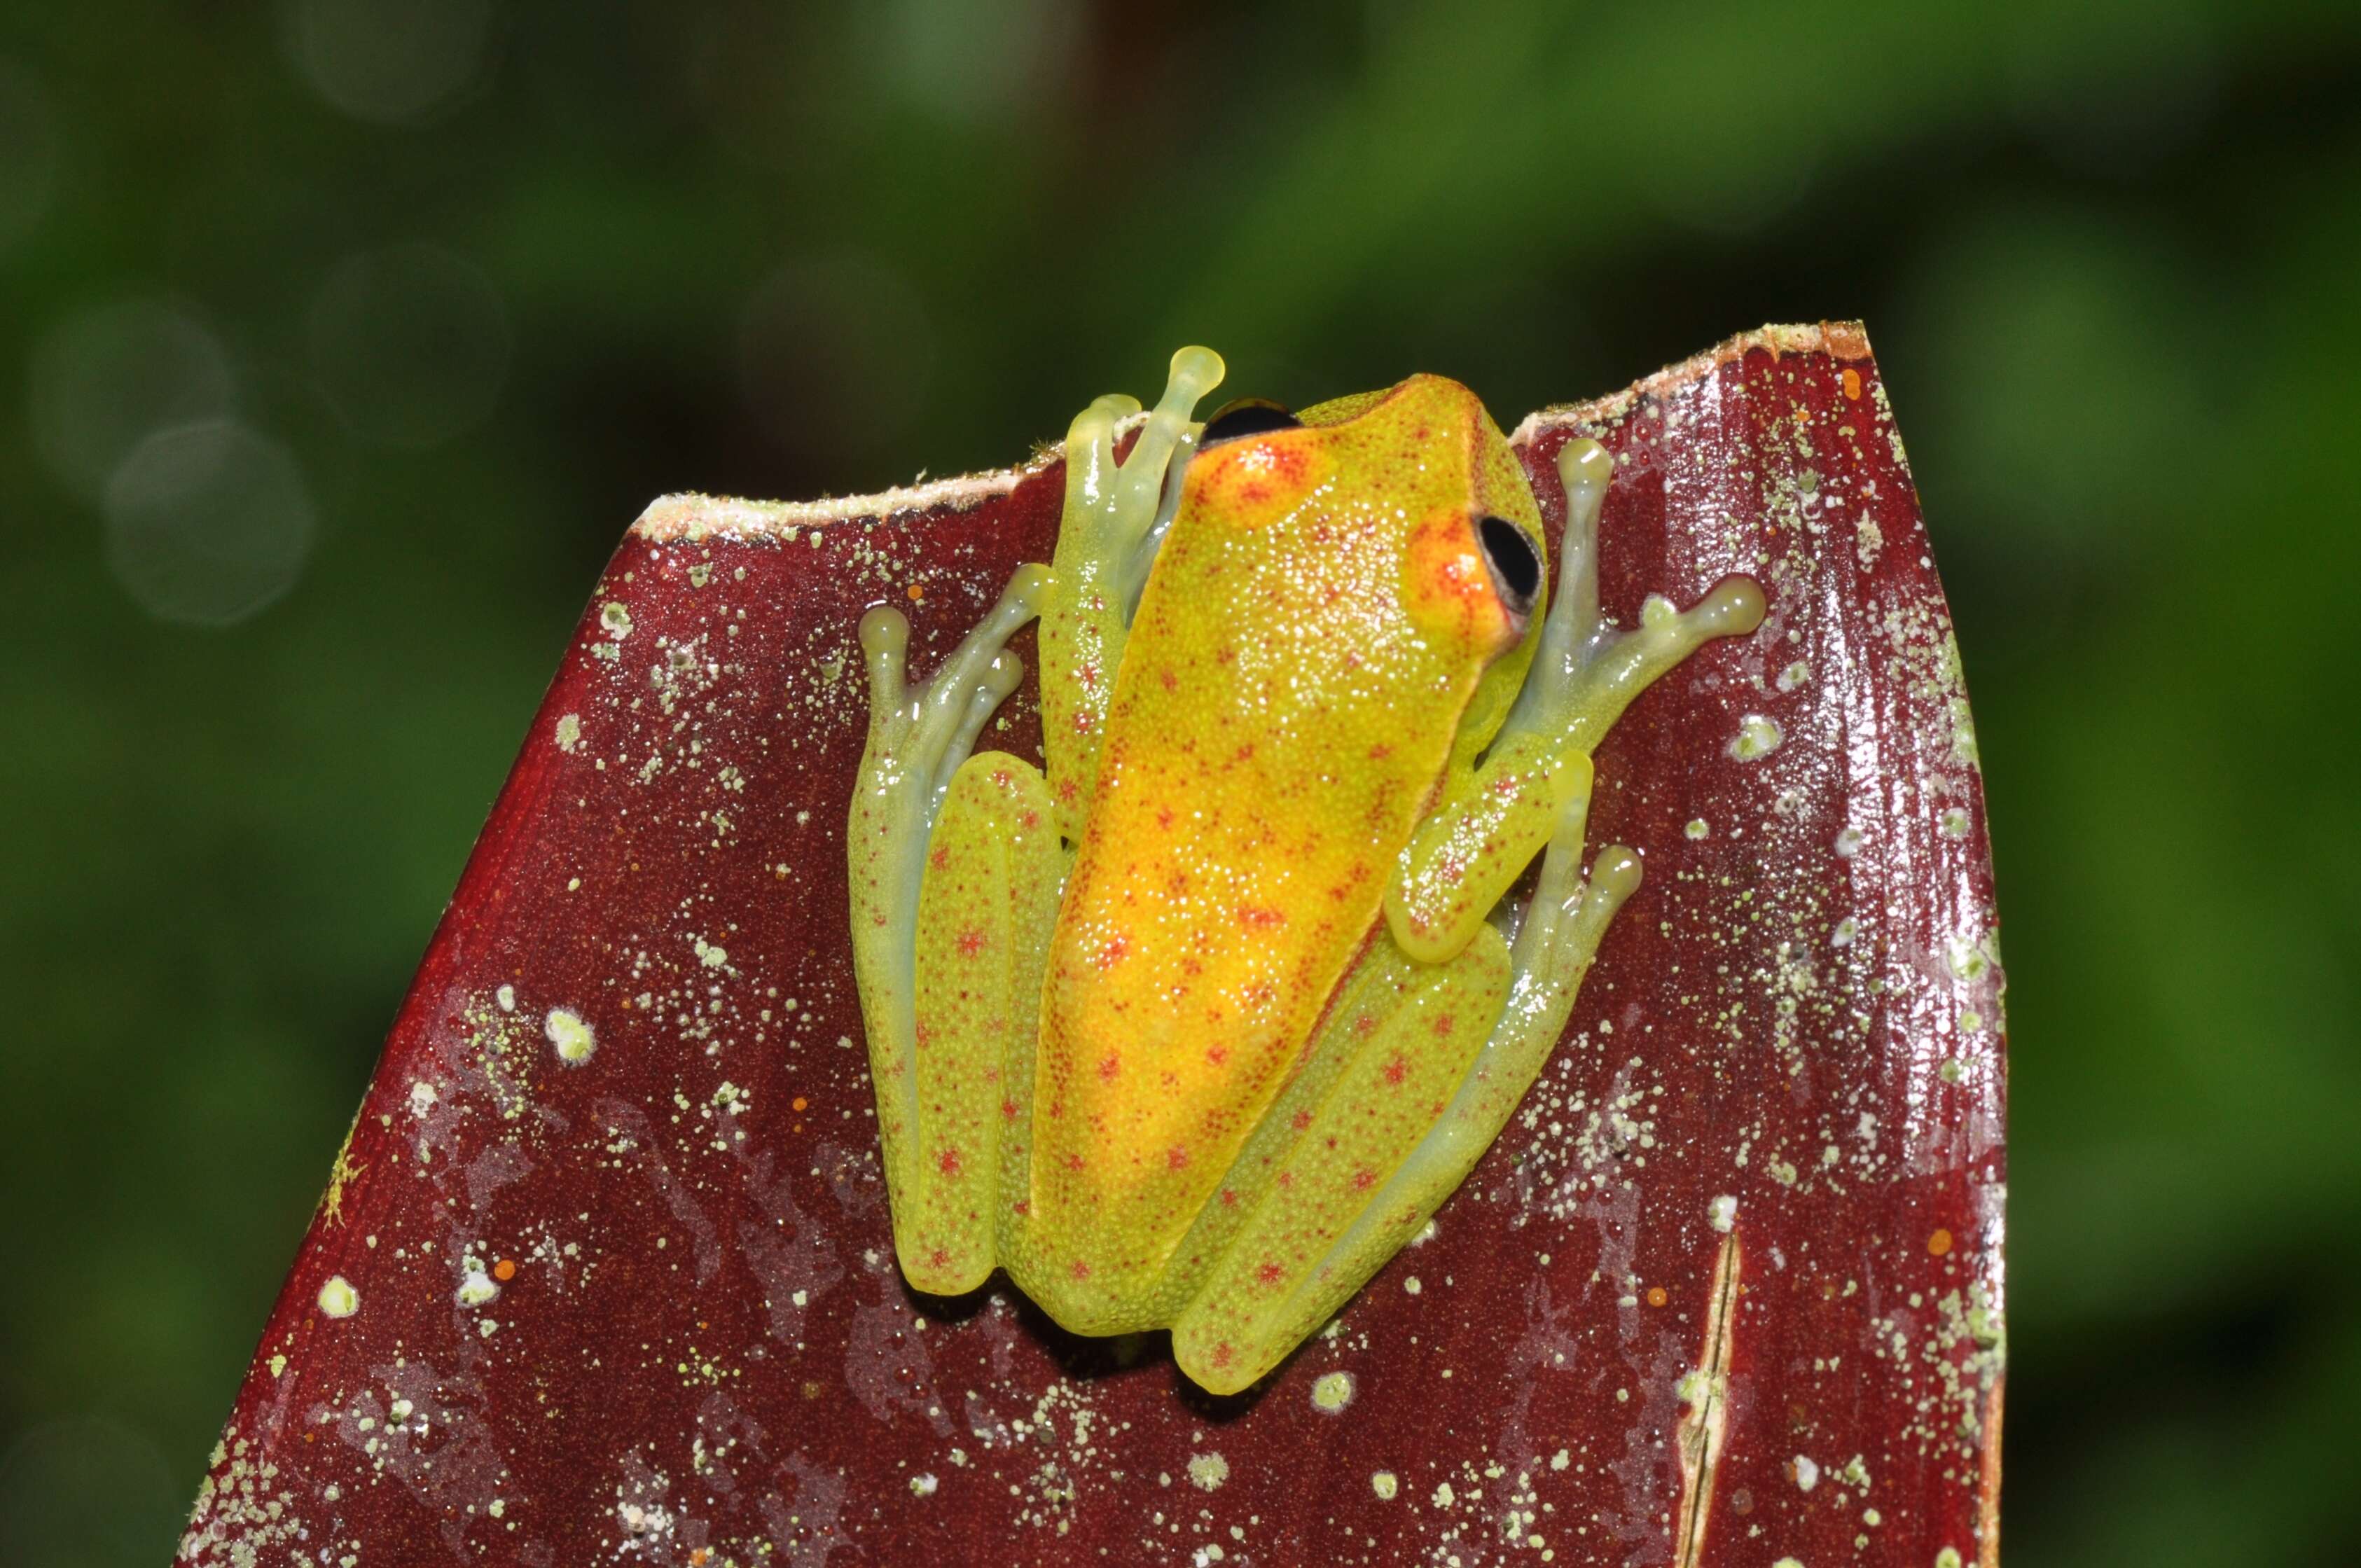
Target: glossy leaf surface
[{"x": 604, "y": 1272}]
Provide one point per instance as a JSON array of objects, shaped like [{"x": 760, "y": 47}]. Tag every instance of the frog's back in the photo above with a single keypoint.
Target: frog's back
[{"x": 1309, "y": 639}]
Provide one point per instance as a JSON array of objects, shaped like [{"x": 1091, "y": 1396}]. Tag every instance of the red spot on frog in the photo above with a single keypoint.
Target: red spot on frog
[
  {"x": 1255, "y": 918},
  {"x": 1396, "y": 1069},
  {"x": 970, "y": 942},
  {"x": 1218, "y": 1055},
  {"x": 1270, "y": 1273},
  {"x": 1364, "y": 1179},
  {"x": 1300, "y": 1120},
  {"x": 1108, "y": 1067},
  {"x": 1176, "y": 1158},
  {"x": 1112, "y": 951},
  {"x": 949, "y": 1162}
]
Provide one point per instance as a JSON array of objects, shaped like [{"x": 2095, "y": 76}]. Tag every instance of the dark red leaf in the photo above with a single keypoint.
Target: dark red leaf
[{"x": 1728, "y": 1290}]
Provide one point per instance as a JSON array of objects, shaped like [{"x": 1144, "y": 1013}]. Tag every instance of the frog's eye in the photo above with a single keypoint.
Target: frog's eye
[
  {"x": 1516, "y": 569},
  {"x": 1241, "y": 417}
]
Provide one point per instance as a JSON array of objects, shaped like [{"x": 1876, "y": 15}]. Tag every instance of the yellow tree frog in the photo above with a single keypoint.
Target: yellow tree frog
[{"x": 1196, "y": 1026}]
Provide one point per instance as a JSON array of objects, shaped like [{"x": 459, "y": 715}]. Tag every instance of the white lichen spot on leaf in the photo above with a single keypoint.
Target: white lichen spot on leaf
[
  {"x": 1331, "y": 1391},
  {"x": 574, "y": 1039},
  {"x": 1758, "y": 736},
  {"x": 337, "y": 1298}
]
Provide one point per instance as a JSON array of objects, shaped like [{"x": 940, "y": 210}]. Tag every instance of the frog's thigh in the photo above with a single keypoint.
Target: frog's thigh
[
  {"x": 1309, "y": 1237},
  {"x": 989, "y": 891}
]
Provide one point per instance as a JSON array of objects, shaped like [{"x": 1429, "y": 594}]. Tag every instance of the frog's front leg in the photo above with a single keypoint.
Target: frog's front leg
[
  {"x": 957, "y": 860},
  {"x": 1494, "y": 818}
]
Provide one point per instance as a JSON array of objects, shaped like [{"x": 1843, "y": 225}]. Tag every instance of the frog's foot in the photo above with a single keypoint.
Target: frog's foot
[
  {"x": 1494, "y": 819},
  {"x": 917, "y": 743},
  {"x": 1115, "y": 518},
  {"x": 1116, "y": 513},
  {"x": 1586, "y": 671}
]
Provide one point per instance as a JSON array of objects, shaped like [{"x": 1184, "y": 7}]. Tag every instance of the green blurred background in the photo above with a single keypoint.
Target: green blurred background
[{"x": 340, "y": 339}]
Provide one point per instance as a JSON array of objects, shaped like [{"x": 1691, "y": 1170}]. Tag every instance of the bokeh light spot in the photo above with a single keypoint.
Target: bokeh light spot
[
  {"x": 28, "y": 152},
  {"x": 412, "y": 343},
  {"x": 974, "y": 61},
  {"x": 103, "y": 381},
  {"x": 207, "y": 523},
  {"x": 392, "y": 61},
  {"x": 86, "y": 1492},
  {"x": 838, "y": 357}
]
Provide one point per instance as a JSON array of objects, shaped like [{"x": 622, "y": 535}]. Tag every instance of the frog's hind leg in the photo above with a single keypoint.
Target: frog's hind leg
[
  {"x": 986, "y": 904},
  {"x": 1311, "y": 1207},
  {"x": 1429, "y": 1063},
  {"x": 909, "y": 789}
]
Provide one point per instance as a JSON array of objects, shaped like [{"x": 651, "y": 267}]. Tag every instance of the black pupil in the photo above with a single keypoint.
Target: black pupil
[
  {"x": 1516, "y": 570},
  {"x": 1244, "y": 418}
]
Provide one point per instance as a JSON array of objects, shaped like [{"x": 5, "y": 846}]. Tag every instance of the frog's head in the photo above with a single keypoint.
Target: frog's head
[{"x": 1411, "y": 488}]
